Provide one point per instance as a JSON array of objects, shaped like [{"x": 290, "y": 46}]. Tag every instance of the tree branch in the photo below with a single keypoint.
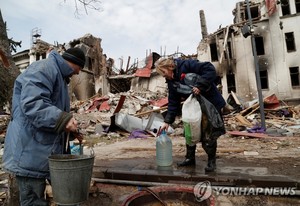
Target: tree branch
[{"x": 87, "y": 5}]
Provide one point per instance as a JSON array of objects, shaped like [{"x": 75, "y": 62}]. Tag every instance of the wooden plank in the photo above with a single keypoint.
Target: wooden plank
[
  {"x": 243, "y": 120},
  {"x": 230, "y": 150},
  {"x": 256, "y": 135},
  {"x": 254, "y": 106},
  {"x": 253, "y": 110},
  {"x": 150, "y": 111},
  {"x": 237, "y": 101}
]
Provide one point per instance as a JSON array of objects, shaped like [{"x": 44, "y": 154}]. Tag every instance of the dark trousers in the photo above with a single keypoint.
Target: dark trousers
[
  {"x": 32, "y": 191},
  {"x": 210, "y": 147}
]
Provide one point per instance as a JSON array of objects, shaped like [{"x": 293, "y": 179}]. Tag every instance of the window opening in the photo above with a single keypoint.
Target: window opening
[
  {"x": 254, "y": 12},
  {"x": 290, "y": 42},
  {"x": 231, "y": 82},
  {"x": 259, "y": 41},
  {"x": 295, "y": 76},
  {"x": 285, "y": 7},
  {"x": 297, "y": 5},
  {"x": 214, "y": 52},
  {"x": 229, "y": 50},
  {"x": 264, "y": 79}
]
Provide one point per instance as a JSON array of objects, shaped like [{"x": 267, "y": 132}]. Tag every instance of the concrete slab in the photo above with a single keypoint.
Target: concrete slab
[{"x": 144, "y": 170}]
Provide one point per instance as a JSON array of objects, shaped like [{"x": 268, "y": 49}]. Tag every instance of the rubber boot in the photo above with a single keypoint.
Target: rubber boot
[
  {"x": 211, "y": 150},
  {"x": 189, "y": 158},
  {"x": 211, "y": 164}
]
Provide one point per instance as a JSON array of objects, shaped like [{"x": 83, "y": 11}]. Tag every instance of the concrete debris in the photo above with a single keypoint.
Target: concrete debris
[
  {"x": 95, "y": 116},
  {"x": 250, "y": 153}
]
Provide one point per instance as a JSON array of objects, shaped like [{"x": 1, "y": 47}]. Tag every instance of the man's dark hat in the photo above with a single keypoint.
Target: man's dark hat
[{"x": 75, "y": 55}]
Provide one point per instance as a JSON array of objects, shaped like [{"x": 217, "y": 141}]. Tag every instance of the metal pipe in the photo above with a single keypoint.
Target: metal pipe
[
  {"x": 257, "y": 75},
  {"x": 220, "y": 189},
  {"x": 131, "y": 182}
]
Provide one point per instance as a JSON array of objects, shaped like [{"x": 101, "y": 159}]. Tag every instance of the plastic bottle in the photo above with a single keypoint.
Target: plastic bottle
[{"x": 164, "y": 150}]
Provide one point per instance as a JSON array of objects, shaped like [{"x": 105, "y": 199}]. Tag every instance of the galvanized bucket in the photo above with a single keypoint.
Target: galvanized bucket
[{"x": 70, "y": 177}]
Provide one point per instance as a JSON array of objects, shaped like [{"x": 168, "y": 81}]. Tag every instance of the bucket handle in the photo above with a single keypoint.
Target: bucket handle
[{"x": 92, "y": 152}]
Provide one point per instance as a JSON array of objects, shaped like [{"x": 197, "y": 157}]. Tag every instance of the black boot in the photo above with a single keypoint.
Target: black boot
[
  {"x": 189, "y": 158},
  {"x": 211, "y": 150},
  {"x": 211, "y": 164}
]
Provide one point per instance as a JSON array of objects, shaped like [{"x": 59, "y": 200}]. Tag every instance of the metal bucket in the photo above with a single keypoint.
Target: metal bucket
[{"x": 70, "y": 177}]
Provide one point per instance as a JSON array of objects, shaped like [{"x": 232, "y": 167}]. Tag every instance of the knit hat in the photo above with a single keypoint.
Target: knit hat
[{"x": 75, "y": 55}]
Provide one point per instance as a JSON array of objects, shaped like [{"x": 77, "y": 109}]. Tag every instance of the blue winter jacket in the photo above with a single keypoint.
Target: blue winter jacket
[
  {"x": 39, "y": 106},
  {"x": 207, "y": 72}
]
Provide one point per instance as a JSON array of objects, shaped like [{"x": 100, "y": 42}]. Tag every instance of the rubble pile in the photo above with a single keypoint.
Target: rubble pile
[
  {"x": 100, "y": 109},
  {"x": 97, "y": 112},
  {"x": 4, "y": 119},
  {"x": 281, "y": 119},
  {"x": 95, "y": 118}
]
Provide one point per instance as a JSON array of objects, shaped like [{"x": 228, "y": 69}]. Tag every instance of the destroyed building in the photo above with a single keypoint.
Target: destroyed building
[
  {"x": 231, "y": 52},
  {"x": 276, "y": 39},
  {"x": 90, "y": 81},
  {"x": 229, "y": 49}
]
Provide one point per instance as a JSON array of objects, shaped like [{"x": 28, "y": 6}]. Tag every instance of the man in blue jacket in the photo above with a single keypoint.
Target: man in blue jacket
[
  {"x": 40, "y": 122},
  {"x": 201, "y": 81}
]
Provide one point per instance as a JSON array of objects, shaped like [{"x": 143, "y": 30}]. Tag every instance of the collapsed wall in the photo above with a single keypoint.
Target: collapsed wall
[{"x": 92, "y": 79}]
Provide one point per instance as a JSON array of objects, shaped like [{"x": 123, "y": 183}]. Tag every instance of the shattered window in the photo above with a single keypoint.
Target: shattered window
[
  {"x": 285, "y": 7},
  {"x": 231, "y": 82},
  {"x": 214, "y": 52},
  {"x": 290, "y": 42},
  {"x": 260, "y": 49},
  {"x": 254, "y": 10},
  {"x": 229, "y": 51},
  {"x": 264, "y": 79},
  {"x": 295, "y": 77},
  {"x": 297, "y": 5}
]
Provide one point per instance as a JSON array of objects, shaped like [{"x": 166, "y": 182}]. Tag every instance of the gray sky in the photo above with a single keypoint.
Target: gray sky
[{"x": 126, "y": 27}]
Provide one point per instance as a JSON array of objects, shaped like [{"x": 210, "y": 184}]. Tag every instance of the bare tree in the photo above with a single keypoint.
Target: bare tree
[
  {"x": 8, "y": 69},
  {"x": 8, "y": 73},
  {"x": 87, "y": 4}
]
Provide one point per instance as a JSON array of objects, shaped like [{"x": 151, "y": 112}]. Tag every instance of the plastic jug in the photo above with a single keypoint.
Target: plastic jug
[{"x": 164, "y": 150}]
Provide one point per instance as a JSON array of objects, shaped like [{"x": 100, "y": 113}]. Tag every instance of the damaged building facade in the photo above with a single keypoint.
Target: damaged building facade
[
  {"x": 229, "y": 49},
  {"x": 91, "y": 80},
  {"x": 276, "y": 37}
]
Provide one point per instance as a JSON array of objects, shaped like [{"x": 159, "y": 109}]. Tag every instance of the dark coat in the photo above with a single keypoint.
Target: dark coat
[{"x": 209, "y": 90}]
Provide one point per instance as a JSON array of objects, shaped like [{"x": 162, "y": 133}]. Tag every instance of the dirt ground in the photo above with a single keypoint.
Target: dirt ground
[
  {"x": 111, "y": 195},
  {"x": 278, "y": 156},
  {"x": 281, "y": 154}
]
